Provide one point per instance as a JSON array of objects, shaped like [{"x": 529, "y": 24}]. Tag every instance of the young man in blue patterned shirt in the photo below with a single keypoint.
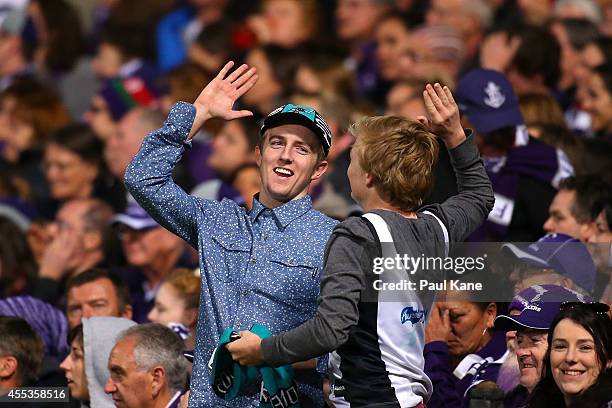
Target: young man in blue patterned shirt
[{"x": 261, "y": 265}]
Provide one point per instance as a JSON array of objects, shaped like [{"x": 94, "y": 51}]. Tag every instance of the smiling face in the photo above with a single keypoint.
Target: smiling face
[
  {"x": 597, "y": 101},
  {"x": 573, "y": 359},
  {"x": 531, "y": 349},
  {"x": 288, "y": 162},
  {"x": 74, "y": 370}
]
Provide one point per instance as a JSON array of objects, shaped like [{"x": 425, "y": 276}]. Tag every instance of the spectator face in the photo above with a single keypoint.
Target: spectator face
[
  {"x": 288, "y": 163},
  {"x": 99, "y": 118},
  {"x": 145, "y": 248},
  {"x": 74, "y": 370},
  {"x": 356, "y": 19},
  {"x": 170, "y": 308},
  {"x": 68, "y": 175},
  {"x": 599, "y": 242},
  {"x": 531, "y": 349},
  {"x": 107, "y": 62},
  {"x": 129, "y": 386},
  {"x": 598, "y": 102},
  {"x": 391, "y": 42},
  {"x": 573, "y": 360},
  {"x": 230, "y": 149},
  {"x": 285, "y": 20},
  {"x": 97, "y": 298},
  {"x": 560, "y": 219},
  {"x": 447, "y": 12},
  {"x": 123, "y": 144},
  {"x": 469, "y": 326},
  {"x": 405, "y": 101},
  {"x": 69, "y": 220},
  {"x": 17, "y": 134},
  {"x": 267, "y": 87},
  {"x": 588, "y": 59}
]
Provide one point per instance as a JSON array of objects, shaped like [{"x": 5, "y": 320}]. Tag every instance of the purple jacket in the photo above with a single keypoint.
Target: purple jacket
[{"x": 450, "y": 391}]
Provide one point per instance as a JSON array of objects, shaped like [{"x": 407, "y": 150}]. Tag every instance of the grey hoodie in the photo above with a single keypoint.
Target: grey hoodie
[{"x": 99, "y": 334}]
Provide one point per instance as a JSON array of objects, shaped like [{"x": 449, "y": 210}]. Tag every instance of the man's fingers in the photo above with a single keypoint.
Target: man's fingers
[
  {"x": 434, "y": 96},
  {"x": 248, "y": 85},
  {"x": 236, "y": 73},
  {"x": 244, "y": 78},
  {"x": 441, "y": 94},
  {"x": 449, "y": 95},
  {"x": 431, "y": 109},
  {"x": 225, "y": 69}
]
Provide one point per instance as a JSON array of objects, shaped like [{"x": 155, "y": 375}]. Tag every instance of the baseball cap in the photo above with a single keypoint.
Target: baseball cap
[
  {"x": 291, "y": 114},
  {"x": 123, "y": 94},
  {"x": 566, "y": 255},
  {"x": 539, "y": 304},
  {"x": 487, "y": 99},
  {"x": 135, "y": 217}
]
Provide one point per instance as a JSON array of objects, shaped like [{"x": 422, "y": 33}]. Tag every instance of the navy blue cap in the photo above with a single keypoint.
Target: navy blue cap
[
  {"x": 291, "y": 114},
  {"x": 540, "y": 305},
  {"x": 487, "y": 99},
  {"x": 566, "y": 255}
]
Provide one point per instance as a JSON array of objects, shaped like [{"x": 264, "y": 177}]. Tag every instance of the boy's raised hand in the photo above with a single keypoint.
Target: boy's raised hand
[
  {"x": 443, "y": 114},
  {"x": 218, "y": 97}
]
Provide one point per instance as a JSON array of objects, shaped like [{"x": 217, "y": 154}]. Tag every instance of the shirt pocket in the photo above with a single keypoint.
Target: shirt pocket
[
  {"x": 234, "y": 252},
  {"x": 297, "y": 277}
]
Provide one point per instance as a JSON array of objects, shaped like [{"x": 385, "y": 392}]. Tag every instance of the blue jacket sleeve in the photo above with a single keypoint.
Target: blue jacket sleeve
[{"x": 149, "y": 178}]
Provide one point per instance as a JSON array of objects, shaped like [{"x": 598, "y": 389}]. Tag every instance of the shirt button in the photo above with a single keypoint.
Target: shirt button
[
  {"x": 245, "y": 293},
  {"x": 291, "y": 261},
  {"x": 237, "y": 325},
  {"x": 253, "y": 259}
]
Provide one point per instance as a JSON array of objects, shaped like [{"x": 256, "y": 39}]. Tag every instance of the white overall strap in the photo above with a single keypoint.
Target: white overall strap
[
  {"x": 381, "y": 227},
  {"x": 444, "y": 231}
]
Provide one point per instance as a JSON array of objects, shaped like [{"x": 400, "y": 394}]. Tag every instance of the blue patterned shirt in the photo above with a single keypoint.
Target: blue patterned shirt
[{"x": 261, "y": 266}]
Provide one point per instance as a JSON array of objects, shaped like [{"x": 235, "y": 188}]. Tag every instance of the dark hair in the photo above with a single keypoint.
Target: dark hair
[
  {"x": 599, "y": 325},
  {"x": 121, "y": 288},
  {"x": 589, "y": 189},
  {"x": 19, "y": 340},
  {"x": 538, "y": 54},
  {"x": 38, "y": 105},
  {"x": 502, "y": 139},
  {"x": 605, "y": 46},
  {"x": 80, "y": 140},
  {"x": 215, "y": 37},
  {"x": 605, "y": 72},
  {"x": 16, "y": 259},
  {"x": 65, "y": 35},
  {"x": 76, "y": 333},
  {"x": 580, "y": 31},
  {"x": 128, "y": 39}
]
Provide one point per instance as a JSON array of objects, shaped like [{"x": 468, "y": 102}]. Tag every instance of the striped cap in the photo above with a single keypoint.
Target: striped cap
[{"x": 123, "y": 94}]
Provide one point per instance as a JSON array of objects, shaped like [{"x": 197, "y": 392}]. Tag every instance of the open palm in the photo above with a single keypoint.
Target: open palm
[{"x": 218, "y": 97}]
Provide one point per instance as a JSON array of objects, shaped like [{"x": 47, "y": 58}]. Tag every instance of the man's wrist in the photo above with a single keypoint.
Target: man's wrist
[
  {"x": 455, "y": 139},
  {"x": 202, "y": 114}
]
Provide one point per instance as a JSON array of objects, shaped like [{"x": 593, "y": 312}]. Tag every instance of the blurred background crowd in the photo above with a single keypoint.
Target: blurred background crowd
[{"x": 83, "y": 81}]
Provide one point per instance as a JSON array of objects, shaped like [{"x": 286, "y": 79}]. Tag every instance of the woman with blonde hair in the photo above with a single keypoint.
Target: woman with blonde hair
[{"x": 176, "y": 303}]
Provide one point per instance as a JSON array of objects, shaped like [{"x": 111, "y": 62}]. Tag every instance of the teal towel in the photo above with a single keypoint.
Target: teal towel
[{"x": 228, "y": 378}]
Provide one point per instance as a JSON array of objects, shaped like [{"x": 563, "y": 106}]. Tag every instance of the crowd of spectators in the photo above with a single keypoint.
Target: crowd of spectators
[{"x": 93, "y": 291}]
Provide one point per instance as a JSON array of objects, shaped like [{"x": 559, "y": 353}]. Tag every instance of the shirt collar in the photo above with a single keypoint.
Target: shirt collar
[
  {"x": 175, "y": 400},
  {"x": 285, "y": 213}
]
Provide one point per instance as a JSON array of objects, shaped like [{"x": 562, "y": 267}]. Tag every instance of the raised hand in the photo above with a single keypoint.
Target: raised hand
[
  {"x": 218, "y": 97},
  {"x": 443, "y": 114},
  {"x": 438, "y": 326}
]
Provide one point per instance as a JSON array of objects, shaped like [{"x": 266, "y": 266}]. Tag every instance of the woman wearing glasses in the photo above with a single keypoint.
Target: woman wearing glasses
[{"x": 578, "y": 366}]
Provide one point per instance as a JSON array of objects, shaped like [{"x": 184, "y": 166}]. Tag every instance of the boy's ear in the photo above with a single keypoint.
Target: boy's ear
[{"x": 369, "y": 180}]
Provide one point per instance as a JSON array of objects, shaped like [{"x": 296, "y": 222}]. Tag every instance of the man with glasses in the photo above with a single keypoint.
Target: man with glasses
[
  {"x": 76, "y": 245},
  {"x": 541, "y": 303},
  {"x": 152, "y": 252}
]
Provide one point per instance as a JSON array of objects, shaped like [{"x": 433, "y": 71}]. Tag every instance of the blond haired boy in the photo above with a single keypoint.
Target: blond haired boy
[{"x": 376, "y": 337}]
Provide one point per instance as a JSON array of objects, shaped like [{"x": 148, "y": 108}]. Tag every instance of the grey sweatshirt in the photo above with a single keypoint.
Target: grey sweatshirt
[{"x": 352, "y": 247}]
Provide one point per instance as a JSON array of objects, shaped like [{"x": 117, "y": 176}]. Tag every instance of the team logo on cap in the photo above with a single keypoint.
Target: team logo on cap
[{"x": 495, "y": 98}]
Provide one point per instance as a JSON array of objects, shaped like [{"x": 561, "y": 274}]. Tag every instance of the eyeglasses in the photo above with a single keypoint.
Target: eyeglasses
[{"x": 597, "y": 307}]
